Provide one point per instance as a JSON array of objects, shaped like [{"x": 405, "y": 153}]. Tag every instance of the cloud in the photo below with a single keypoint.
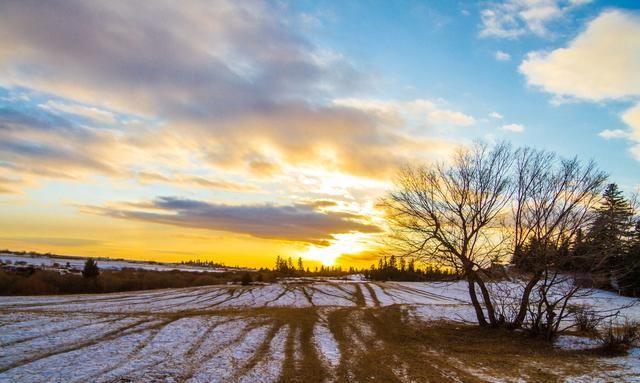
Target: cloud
[
  {"x": 609, "y": 134},
  {"x": 600, "y": 64},
  {"x": 224, "y": 57},
  {"x": 425, "y": 112},
  {"x": 191, "y": 181},
  {"x": 515, "y": 18},
  {"x": 298, "y": 222},
  {"x": 90, "y": 112},
  {"x": 54, "y": 241},
  {"x": 632, "y": 118},
  {"x": 514, "y": 128},
  {"x": 496, "y": 115},
  {"x": 241, "y": 92},
  {"x": 502, "y": 56},
  {"x": 635, "y": 151},
  {"x": 9, "y": 185},
  {"x": 40, "y": 142}
]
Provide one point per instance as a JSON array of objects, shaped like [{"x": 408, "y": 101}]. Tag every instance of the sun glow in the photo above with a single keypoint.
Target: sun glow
[{"x": 351, "y": 243}]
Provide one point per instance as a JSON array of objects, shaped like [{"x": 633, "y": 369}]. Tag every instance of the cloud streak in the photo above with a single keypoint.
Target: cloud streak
[
  {"x": 516, "y": 18},
  {"x": 299, "y": 222}
]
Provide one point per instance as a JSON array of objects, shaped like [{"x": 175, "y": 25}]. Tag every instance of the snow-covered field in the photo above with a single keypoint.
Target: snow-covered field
[
  {"x": 264, "y": 333},
  {"x": 103, "y": 263}
]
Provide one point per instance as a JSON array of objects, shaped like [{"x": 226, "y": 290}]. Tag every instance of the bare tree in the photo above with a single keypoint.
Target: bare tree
[
  {"x": 450, "y": 215},
  {"x": 488, "y": 204},
  {"x": 553, "y": 199}
]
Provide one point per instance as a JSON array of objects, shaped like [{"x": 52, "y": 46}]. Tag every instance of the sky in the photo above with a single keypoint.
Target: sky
[{"x": 239, "y": 131}]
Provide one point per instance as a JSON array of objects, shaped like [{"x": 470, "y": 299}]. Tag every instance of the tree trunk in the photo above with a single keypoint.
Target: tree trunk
[
  {"x": 474, "y": 300},
  {"x": 524, "y": 302},
  {"x": 491, "y": 312}
]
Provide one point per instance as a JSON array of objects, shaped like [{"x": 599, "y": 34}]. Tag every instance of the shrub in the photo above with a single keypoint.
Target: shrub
[
  {"x": 618, "y": 339},
  {"x": 246, "y": 279},
  {"x": 586, "y": 320}
]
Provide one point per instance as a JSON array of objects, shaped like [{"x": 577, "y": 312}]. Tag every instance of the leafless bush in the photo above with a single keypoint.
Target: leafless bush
[
  {"x": 617, "y": 339},
  {"x": 586, "y": 320}
]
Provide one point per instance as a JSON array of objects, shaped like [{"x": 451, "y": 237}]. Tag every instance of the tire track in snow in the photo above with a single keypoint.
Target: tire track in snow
[
  {"x": 320, "y": 292},
  {"x": 262, "y": 351},
  {"x": 64, "y": 348},
  {"x": 428, "y": 294},
  {"x": 376, "y": 301},
  {"x": 221, "y": 338},
  {"x": 77, "y": 366},
  {"x": 270, "y": 367},
  {"x": 221, "y": 367},
  {"x": 164, "y": 356},
  {"x": 68, "y": 328}
]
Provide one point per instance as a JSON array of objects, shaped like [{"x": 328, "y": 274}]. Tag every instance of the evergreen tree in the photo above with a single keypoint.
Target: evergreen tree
[
  {"x": 630, "y": 282},
  {"x": 610, "y": 232},
  {"x": 579, "y": 252},
  {"x": 246, "y": 279},
  {"x": 91, "y": 269},
  {"x": 278, "y": 263}
]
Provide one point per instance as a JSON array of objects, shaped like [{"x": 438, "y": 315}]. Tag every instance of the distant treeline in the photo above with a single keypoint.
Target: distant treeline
[
  {"x": 388, "y": 269},
  {"x": 286, "y": 267},
  {"x": 400, "y": 269},
  {"x": 209, "y": 264},
  {"x": 34, "y": 281}
]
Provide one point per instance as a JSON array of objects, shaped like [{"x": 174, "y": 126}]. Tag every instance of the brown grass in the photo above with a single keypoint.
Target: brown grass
[{"x": 438, "y": 352}]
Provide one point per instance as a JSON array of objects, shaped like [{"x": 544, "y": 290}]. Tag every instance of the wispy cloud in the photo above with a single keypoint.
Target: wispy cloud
[
  {"x": 425, "y": 113},
  {"x": 93, "y": 113},
  {"x": 502, "y": 56},
  {"x": 191, "y": 180},
  {"x": 609, "y": 134},
  {"x": 514, "y": 128},
  {"x": 515, "y": 18},
  {"x": 54, "y": 241}
]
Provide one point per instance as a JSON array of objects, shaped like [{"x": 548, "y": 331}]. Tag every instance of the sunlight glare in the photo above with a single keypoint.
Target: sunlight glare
[{"x": 350, "y": 243}]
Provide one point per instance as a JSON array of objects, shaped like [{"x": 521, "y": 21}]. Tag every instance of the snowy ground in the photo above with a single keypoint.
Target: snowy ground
[
  {"x": 110, "y": 264},
  {"x": 264, "y": 333}
]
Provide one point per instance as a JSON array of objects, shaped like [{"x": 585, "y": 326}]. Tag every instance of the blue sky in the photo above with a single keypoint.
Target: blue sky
[
  {"x": 436, "y": 50},
  {"x": 137, "y": 138}
]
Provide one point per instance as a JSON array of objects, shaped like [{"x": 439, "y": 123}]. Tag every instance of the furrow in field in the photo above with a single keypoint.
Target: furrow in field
[
  {"x": 222, "y": 366},
  {"x": 164, "y": 357},
  {"x": 80, "y": 365},
  {"x": 46, "y": 346}
]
